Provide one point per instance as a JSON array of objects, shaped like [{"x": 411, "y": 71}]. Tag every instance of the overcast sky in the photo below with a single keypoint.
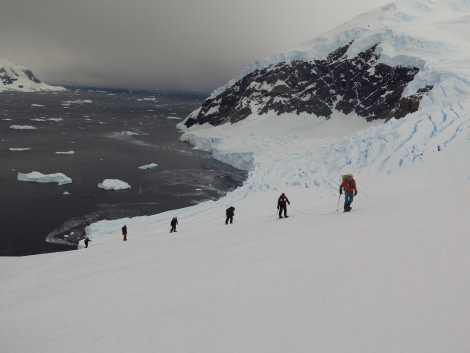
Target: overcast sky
[{"x": 195, "y": 45}]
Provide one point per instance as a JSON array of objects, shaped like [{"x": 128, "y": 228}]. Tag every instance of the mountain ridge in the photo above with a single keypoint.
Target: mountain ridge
[
  {"x": 394, "y": 36},
  {"x": 360, "y": 84}
]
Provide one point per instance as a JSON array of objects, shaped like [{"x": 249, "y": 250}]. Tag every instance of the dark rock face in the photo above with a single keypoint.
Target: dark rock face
[
  {"x": 9, "y": 78},
  {"x": 6, "y": 78},
  {"x": 361, "y": 85},
  {"x": 31, "y": 76}
]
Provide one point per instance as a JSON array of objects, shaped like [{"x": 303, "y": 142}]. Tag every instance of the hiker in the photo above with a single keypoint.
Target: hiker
[
  {"x": 124, "y": 233},
  {"x": 86, "y": 242},
  {"x": 174, "y": 222},
  {"x": 349, "y": 186},
  {"x": 282, "y": 202},
  {"x": 229, "y": 212}
]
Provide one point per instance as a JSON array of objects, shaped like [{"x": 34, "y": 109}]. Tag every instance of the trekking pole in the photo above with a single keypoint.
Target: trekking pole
[{"x": 337, "y": 207}]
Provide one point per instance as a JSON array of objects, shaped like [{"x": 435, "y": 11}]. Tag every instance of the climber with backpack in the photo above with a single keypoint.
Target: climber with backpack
[{"x": 350, "y": 190}]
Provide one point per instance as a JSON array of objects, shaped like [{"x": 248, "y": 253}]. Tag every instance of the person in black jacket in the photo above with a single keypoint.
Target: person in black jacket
[
  {"x": 86, "y": 242},
  {"x": 229, "y": 212},
  {"x": 124, "y": 233},
  {"x": 282, "y": 202},
  {"x": 174, "y": 222}
]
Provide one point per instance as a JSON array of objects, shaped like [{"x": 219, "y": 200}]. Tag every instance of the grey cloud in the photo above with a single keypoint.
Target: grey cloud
[{"x": 178, "y": 44}]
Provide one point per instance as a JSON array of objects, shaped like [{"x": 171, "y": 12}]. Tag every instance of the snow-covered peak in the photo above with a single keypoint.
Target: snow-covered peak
[
  {"x": 427, "y": 34},
  {"x": 19, "y": 78},
  {"x": 350, "y": 71},
  {"x": 435, "y": 31}
]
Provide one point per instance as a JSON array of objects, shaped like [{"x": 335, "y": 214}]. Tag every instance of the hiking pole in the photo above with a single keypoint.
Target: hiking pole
[{"x": 337, "y": 207}]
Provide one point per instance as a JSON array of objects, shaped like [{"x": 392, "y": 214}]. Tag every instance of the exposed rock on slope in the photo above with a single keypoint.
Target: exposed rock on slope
[{"x": 360, "y": 84}]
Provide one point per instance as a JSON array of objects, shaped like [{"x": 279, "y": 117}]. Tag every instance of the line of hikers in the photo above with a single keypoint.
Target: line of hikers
[{"x": 348, "y": 185}]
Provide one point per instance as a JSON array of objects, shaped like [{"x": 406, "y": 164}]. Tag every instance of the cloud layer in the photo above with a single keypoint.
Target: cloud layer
[{"x": 178, "y": 44}]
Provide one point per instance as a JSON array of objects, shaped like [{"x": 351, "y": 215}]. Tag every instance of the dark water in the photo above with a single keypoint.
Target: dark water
[{"x": 111, "y": 133}]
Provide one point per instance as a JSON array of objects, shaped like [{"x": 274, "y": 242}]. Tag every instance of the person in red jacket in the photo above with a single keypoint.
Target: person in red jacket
[{"x": 349, "y": 186}]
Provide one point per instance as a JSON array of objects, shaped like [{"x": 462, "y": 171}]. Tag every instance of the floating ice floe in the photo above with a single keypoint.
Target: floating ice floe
[
  {"x": 23, "y": 127},
  {"x": 67, "y": 152},
  {"x": 38, "y": 177},
  {"x": 47, "y": 119},
  {"x": 19, "y": 149},
  {"x": 128, "y": 133},
  {"x": 148, "y": 166},
  {"x": 78, "y": 101},
  {"x": 114, "y": 184},
  {"x": 173, "y": 118}
]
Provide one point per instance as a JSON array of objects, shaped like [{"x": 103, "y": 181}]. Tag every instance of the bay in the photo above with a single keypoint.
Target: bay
[{"x": 91, "y": 135}]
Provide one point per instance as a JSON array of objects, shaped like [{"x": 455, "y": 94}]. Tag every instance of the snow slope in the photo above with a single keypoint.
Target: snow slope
[{"x": 391, "y": 276}]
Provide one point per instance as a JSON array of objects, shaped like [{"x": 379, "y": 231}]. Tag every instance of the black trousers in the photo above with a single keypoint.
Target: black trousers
[
  {"x": 281, "y": 209},
  {"x": 229, "y": 218}
]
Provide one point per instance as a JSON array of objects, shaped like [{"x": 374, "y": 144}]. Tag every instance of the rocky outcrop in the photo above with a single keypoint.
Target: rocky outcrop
[
  {"x": 9, "y": 77},
  {"x": 360, "y": 84}
]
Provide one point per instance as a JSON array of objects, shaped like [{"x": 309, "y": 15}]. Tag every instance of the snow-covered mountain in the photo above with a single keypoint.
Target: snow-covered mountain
[
  {"x": 378, "y": 66},
  {"x": 390, "y": 276},
  {"x": 19, "y": 78},
  {"x": 410, "y": 58}
]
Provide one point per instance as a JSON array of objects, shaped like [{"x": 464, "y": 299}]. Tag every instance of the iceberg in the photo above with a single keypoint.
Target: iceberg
[
  {"x": 113, "y": 184},
  {"x": 38, "y": 177}
]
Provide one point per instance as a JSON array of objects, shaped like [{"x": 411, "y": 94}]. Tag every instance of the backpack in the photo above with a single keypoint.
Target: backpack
[{"x": 348, "y": 183}]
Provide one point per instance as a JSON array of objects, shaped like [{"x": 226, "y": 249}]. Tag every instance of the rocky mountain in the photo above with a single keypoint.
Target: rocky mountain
[
  {"x": 19, "y": 78},
  {"x": 367, "y": 67},
  {"x": 360, "y": 84}
]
